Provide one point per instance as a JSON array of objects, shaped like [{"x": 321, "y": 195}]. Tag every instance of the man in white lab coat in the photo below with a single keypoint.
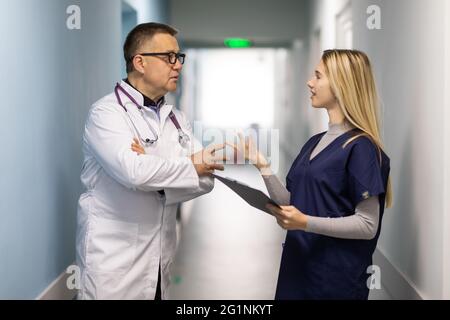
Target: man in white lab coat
[{"x": 126, "y": 232}]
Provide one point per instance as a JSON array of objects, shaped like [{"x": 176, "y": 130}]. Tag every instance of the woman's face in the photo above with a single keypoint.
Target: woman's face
[{"x": 321, "y": 95}]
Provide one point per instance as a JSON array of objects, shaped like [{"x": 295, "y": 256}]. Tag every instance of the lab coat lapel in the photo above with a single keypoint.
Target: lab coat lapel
[
  {"x": 133, "y": 92},
  {"x": 164, "y": 114}
]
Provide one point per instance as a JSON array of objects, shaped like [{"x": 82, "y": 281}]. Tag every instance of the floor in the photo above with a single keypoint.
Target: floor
[{"x": 227, "y": 249}]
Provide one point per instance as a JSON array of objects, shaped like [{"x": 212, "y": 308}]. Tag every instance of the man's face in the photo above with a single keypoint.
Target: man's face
[{"x": 160, "y": 76}]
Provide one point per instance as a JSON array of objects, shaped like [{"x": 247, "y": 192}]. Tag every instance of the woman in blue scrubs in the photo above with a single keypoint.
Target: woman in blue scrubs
[{"x": 336, "y": 189}]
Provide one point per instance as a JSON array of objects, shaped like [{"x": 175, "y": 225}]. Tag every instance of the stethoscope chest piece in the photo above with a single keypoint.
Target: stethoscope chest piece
[{"x": 183, "y": 138}]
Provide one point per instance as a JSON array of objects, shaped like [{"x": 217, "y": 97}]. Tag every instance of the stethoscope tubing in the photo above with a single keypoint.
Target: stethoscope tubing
[{"x": 183, "y": 138}]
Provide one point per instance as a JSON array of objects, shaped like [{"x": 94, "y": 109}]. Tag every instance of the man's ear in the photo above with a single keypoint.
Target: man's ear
[{"x": 138, "y": 64}]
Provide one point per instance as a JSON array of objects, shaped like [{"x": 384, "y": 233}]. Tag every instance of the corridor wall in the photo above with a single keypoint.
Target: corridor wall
[{"x": 51, "y": 76}]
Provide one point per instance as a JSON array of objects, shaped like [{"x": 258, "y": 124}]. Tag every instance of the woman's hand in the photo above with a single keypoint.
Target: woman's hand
[
  {"x": 289, "y": 217},
  {"x": 136, "y": 147},
  {"x": 247, "y": 149}
]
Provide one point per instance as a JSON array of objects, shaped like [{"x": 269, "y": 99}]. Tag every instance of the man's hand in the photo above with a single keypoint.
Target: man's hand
[
  {"x": 205, "y": 160},
  {"x": 136, "y": 147}
]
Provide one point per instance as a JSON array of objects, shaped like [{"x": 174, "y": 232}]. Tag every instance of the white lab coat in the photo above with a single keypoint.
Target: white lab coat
[{"x": 125, "y": 228}]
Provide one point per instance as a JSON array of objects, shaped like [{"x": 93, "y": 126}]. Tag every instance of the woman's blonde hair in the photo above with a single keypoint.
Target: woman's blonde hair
[{"x": 353, "y": 84}]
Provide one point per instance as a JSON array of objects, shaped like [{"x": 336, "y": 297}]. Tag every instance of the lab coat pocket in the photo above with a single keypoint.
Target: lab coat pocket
[{"x": 111, "y": 245}]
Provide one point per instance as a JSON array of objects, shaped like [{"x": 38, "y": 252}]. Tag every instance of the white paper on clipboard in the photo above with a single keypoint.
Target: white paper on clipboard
[{"x": 254, "y": 197}]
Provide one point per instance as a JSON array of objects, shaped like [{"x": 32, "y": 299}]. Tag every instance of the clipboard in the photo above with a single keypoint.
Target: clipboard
[{"x": 254, "y": 197}]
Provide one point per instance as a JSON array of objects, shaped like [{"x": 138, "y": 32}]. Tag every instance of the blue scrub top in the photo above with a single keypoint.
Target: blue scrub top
[{"x": 332, "y": 184}]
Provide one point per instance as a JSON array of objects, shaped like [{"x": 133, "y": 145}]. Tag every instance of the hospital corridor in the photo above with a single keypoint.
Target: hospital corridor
[
  {"x": 254, "y": 86},
  {"x": 220, "y": 257}
]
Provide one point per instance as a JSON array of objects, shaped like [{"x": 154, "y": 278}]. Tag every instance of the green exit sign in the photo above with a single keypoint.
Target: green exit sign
[{"x": 237, "y": 43}]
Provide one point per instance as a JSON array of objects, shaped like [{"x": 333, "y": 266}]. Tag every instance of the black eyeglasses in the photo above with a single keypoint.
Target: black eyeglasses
[{"x": 173, "y": 56}]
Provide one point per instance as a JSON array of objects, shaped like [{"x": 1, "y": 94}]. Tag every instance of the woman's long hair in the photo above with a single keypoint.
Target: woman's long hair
[{"x": 352, "y": 82}]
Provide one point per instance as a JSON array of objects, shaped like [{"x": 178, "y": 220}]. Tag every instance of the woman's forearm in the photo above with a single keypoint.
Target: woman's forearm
[
  {"x": 277, "y": 191},
  {"x": 361, "y": 225}
]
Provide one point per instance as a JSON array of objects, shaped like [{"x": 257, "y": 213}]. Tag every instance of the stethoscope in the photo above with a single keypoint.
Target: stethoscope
[{"x": 183, "y": 138}]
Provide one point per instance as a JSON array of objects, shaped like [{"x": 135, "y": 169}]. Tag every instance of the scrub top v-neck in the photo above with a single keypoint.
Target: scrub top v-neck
[{"x": 331, "y": 184}]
